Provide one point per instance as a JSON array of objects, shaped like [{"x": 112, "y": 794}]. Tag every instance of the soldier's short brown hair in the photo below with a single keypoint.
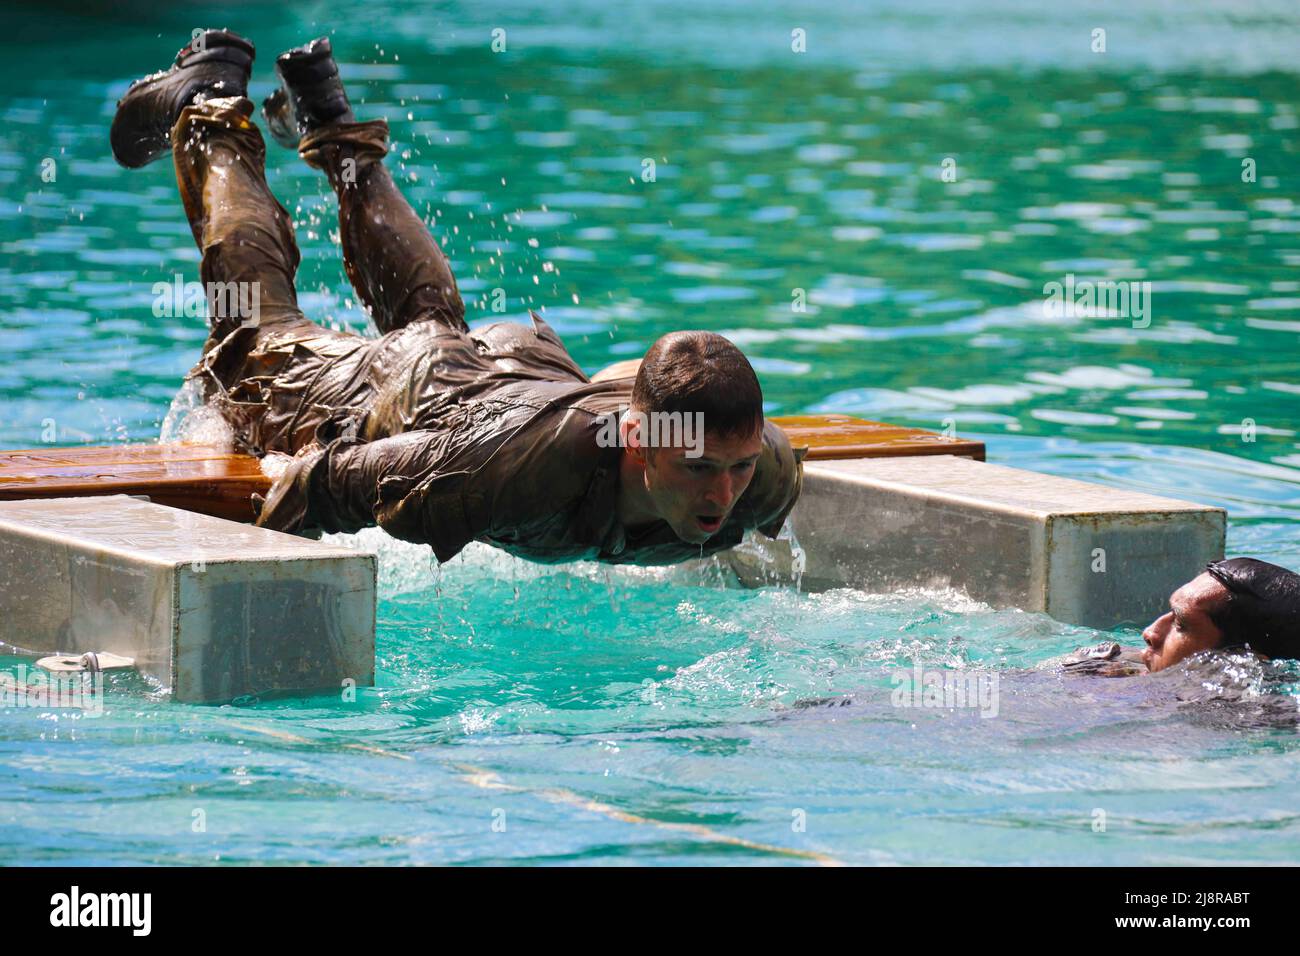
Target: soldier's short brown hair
[{"x": 700, "y": 372}]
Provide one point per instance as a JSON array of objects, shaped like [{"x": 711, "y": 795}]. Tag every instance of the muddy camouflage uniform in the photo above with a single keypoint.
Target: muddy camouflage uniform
[{"x": 438, "y": 434}]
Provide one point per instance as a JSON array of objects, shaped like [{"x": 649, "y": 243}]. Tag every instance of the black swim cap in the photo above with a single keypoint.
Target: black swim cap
[{"x": 1263, "y": 607}]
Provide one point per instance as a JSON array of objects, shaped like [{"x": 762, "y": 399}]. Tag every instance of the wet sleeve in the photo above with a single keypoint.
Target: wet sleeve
[
  {"x": 496, "y": 472},
  {"x": 412, "y": 485}
]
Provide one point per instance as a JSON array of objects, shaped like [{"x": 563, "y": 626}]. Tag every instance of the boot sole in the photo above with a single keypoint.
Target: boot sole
[{"x": 222, "y": 70}]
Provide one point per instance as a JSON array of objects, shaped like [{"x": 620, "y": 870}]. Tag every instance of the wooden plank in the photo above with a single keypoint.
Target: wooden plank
[
  {"x": 841, "y": 436},
  {"x": 624, "y": 369},
  {"x": 207, "y": 480},
  {"x": 196, "y": 478}
]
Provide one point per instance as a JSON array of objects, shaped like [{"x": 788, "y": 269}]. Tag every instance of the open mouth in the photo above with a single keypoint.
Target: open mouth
[{"x": 709, "y": 523}]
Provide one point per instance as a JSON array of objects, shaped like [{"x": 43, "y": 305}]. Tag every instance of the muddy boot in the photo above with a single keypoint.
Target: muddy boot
[
  {"x": 310, "y": 96},
  {"x": 214, "y": 64}
]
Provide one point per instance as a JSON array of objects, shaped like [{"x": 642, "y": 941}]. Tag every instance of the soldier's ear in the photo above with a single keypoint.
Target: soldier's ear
[
  {"x": 632, "y": 434},
  {"x": 640, "y": 455},
  {"x": 800, "y": 453}
]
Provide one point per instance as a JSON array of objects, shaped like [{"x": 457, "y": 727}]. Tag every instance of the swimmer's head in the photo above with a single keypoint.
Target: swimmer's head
[
  {"x": 1241, "y": 602},
  {"x": 1263, "y": 606},
  {"x": 700, "y": 391}
]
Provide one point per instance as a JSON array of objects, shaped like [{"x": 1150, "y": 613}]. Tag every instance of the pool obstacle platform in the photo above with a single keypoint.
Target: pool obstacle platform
[
  {"x": 210, "y": 608},
  {"x": 147, "y": 552}
]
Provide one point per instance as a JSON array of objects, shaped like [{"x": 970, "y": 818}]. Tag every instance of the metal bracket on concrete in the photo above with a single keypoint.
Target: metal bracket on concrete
[{"x": 88, "y": 663}]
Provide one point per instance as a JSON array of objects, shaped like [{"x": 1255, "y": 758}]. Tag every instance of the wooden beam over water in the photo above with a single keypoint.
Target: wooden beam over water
[
  {"x": 196, "y": 478},
  {"x": 840, "y": 436},
  {"x": 207, "y": 480}
]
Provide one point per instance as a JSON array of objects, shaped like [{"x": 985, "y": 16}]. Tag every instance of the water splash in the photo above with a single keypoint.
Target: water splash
[{"x": 190, "y": 420}]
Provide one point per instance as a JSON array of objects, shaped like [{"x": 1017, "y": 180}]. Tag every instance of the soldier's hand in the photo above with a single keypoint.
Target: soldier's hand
[{"x": 287, "y": 506}]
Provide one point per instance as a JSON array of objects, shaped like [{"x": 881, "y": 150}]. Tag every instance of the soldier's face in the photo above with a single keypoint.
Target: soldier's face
[
  {"x": 1186, "y": 627},
  {"x": 695, "y": 495}
]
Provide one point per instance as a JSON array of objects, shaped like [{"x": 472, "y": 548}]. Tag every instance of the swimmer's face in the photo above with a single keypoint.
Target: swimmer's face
[
  {"x": 1186, "y": 628},
  {"x": 695, "y": 494}
]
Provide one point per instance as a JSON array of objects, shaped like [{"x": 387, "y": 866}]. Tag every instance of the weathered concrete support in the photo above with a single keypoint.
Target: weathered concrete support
[
  {"x": 1083, "y": 553},
  {"x": 213, "y": 609}
]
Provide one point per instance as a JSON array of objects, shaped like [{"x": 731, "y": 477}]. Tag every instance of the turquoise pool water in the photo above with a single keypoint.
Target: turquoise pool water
[{"x": 583, "y": 714}]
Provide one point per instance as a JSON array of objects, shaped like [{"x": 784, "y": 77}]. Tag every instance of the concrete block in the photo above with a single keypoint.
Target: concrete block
[
  {"x": 1081, "y": 552},
  {"x": 212, "y": 609}
]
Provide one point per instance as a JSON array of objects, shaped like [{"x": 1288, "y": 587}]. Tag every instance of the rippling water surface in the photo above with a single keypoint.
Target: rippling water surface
[{"x": 582, "y": 714}]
